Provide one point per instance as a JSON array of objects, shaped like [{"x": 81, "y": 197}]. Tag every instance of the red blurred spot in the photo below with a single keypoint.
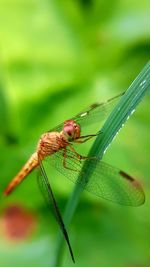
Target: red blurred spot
[{"x": 18, "y": 223}]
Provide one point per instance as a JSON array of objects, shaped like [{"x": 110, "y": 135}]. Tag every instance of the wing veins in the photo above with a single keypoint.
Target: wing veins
[
  {"x": 50, "y": 199},
  {"x": 111, "y": 184}
]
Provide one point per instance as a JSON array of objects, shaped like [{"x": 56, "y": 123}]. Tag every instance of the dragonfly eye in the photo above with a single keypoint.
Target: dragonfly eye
[{"x": 71, "y": 129}]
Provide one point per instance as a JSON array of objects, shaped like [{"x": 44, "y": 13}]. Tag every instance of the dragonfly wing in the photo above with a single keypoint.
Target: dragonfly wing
[
  {"x": 93, "y": 114},
  {"x": 96, "y": 112},
  {"x": 48, "y": 195},
  {"x": 104, "y": 180}
]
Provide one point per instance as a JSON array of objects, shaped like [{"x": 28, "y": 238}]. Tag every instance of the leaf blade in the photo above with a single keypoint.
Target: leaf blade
[{"x": 113, "y": 124}]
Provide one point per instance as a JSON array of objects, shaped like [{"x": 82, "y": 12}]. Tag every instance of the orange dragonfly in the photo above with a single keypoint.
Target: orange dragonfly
[{"x": 58, "y": 147}]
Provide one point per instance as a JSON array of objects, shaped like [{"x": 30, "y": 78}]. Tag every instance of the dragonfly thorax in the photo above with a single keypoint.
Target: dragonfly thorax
[
  {"x": 71, "y": 130},
  {"x": 50, "y": 143}
]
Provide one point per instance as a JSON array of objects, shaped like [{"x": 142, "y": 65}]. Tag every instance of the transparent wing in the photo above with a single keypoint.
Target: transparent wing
[
  {"x": 104, "y": 180},
  {"x": 95, "y": 113},
  {"x": 48, "y": 195}
]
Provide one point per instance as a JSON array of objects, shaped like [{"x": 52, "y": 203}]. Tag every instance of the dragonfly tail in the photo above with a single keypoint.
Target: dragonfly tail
[{"x": 27, "y": 168}]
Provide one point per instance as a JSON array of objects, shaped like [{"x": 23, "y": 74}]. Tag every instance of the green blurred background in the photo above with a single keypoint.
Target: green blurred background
[{"x": 56, "y": 58}]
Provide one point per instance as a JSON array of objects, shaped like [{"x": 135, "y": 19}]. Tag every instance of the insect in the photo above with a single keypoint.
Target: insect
[{"x": 58, "y": 148}]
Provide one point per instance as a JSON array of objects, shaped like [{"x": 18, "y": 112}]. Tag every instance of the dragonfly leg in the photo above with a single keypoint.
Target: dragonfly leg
[
  {"x": 83, "y": 139},
  {"x": 64, "y": 161},
  {"x": 80, "y": 157}
]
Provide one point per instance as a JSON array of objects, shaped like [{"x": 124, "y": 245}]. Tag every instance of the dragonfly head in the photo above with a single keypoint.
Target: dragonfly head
[{"x": 71, "y": 130}]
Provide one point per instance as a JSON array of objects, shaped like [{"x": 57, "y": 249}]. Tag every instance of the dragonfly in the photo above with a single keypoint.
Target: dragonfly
[{"x": 58, "y": 148}]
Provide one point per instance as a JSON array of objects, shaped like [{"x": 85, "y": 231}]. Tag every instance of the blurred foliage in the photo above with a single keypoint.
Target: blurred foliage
[{"x": 58, "y": 57}]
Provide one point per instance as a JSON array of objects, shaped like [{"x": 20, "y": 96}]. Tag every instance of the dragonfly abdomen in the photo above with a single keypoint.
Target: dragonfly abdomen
[{"x": 26, "y": 169}]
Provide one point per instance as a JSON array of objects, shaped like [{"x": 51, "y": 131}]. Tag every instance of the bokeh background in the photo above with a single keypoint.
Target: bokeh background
[{"x": 56, "y": 58}]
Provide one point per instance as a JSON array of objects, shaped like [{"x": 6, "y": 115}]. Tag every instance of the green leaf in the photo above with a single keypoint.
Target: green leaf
[{"x": 115, "y": 121}]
